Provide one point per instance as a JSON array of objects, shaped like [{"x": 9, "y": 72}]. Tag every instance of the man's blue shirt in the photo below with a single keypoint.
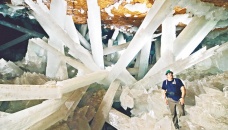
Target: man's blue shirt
[{"x": 173, "y": 88}]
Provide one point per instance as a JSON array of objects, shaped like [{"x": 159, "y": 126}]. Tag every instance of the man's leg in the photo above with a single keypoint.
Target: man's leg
[
  {"x": 181, "y": 112},
  {"x": 181, "y": 109},
  {"x": 172, "y": 106}
]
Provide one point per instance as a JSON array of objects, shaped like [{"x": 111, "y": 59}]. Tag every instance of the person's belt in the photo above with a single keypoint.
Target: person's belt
[{"x": 168, "y": 94}]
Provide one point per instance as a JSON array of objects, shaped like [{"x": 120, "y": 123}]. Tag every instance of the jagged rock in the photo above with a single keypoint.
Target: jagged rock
[{"x": 9, "y": 70}]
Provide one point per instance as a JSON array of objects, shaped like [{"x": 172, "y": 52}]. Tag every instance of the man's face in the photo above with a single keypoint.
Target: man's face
[{"x": 170, "y": 75}]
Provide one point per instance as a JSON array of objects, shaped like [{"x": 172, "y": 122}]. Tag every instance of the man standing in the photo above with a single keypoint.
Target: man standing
[{"x": 174, "y": 93}]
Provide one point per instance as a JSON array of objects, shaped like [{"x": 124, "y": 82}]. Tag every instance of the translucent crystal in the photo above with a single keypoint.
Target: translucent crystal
[{"x": 9, "y": 70}]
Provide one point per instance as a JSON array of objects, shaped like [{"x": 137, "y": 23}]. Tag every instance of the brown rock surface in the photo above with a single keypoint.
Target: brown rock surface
[
  {"x": 78, "y": 9},
  {"x": 220, "y": 3}
]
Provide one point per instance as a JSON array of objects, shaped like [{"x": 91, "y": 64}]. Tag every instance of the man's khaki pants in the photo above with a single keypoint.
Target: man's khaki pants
[{"x": 172, "y": 106}]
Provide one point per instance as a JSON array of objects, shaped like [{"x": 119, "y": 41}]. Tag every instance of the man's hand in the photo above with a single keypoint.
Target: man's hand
[
  {"x": 182, "y": 101},
  {"x": 166, "y": 101}
]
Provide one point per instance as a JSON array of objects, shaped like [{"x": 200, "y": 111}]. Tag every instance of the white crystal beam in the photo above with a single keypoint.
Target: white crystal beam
[
  {"x": 110, "y": 43},
  {"x": 120, "y": 39},
  {"x": 83, "y": 41},
  {"x": 163, "y": 62},
  {"x": 105, "y": 106},
  {"x": 2, "y": 114},
  {"x": 94, "y": 24},
  {"x": 52, "y": 28},
  {"x": 116, "y": 118},
  {"x": 116, "y": 48},
  {"x": 56, "y": 68},
  {"x": 83, "y": 29},
  {"x": 168, "y": 35},
  {"x": 126, "y": 78},
  {"x": 180, "y": 65},
  {"x": 148, "y": 27},
  {"x": 11, "y": 92},
  {"x": 49, "y": 25},
  {"x": 71, "y": 29},
  {"x": 191, "y": 36},
  {"x": 144, "y": 60},
  {"x": 73, "y": 62},
  {"x": 136, "y": 65},
  {"x": 62, "y": 113},
  {"x": 81, "y": 81},
  {"x": 27, "y": 117},
  {"x": 115, "y": 34},
  {"x": 58, "y": 10},
  {"x": 184, "y": 44},
  {"x": 157, "y": 49},
  {"x": 167, "y": 38}
]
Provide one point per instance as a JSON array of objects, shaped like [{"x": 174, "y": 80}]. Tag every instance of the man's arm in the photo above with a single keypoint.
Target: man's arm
[
  {"x": 183, "y": 93},
  {"x": 164, "y": 94}
]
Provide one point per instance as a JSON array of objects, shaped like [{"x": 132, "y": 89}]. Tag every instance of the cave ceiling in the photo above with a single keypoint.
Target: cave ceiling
[
  {"x": 119, "y": 12},
  {"x": 123, "y": 15}
]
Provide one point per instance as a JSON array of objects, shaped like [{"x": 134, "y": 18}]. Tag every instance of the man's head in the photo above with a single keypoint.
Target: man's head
[{"x": 169, "y": 74}]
